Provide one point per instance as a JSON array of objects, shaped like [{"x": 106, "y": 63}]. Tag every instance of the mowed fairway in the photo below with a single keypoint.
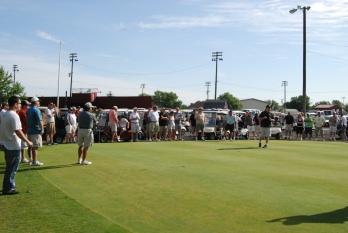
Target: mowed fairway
[{"x": 188, "y": 186}]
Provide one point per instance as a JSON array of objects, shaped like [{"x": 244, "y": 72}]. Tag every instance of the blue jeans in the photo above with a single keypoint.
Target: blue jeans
[{"x": 12, "y": 158}]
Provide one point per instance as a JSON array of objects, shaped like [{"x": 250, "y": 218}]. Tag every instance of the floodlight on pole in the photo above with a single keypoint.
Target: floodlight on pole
[
  {"x": 216, "y": 57},
  {"x": 304, "y": 9},
  {"x": 15, "y": 68},
  {"x": 72, "y": 59}
]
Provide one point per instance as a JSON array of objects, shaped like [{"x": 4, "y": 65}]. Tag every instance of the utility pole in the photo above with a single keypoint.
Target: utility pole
[
  {"x": 15, "y": 68},
  {"x": 284, "y": 83},
  {"x": 216, "y": 57},
  {"x": 207, "y": 84},
  {"x": 304, "y": 10},
  {"x": 72, "y": 59},
  {"x": 142, "y": 86}
]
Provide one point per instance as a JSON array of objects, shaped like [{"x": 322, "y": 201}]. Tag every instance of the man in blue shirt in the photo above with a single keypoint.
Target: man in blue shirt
[{"x": 35, "y": 129}]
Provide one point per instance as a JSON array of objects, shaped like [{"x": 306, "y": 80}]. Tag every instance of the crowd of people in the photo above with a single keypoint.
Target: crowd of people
[{"x": 22, "y": 127}]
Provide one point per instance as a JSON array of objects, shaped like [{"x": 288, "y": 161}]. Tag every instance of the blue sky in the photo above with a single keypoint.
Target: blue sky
[{"x": 168, "y": 45}]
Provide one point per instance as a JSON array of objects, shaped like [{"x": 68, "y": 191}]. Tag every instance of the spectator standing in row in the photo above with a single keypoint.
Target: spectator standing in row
[
  {"x": 10, "y": 137},
  {"x": 200, "y": 121},
  {"x": 343, "y": 122},
  {"x": 35, "y": 129},
  {"x": 319, "y": 122},
  {"x": 171, "y": 126},
  {"x": 178, "y": 117},
  {"x": 308, "y": 127},
  {"x": 113, "y": 121},
  {"x": 192, "y": 122},
  {"x": 250, "y": 124},
  {"x": 154, "y": 125},
  {"x": 299, "y": 126},
  {"x": 163, "y": 124},
  {"x": 266, "y": 118},
  {"x": 230, "y": 122},
  {"x": 23, "y": 118},
  {"x": 85, "y": 133},
  {"x": 289, "y": 124},
  {"x": 333, "y": 120},
  {"x": 50, "y": 113},
  {"x": 256, "y": 124},
  {"x": 135, "y": 128}
]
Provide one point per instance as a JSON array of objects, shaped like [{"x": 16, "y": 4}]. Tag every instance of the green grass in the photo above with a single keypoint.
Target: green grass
[{"x": 186, "y": 186}]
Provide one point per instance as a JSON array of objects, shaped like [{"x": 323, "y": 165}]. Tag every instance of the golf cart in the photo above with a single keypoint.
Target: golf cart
[{"x": 212, "y": 130}]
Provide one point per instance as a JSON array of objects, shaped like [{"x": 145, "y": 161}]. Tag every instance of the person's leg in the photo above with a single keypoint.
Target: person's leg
[
  {"x": 84, "y": 153},
  {"x": 12, "y": 158},
  {"x": 79, "y": 153}
]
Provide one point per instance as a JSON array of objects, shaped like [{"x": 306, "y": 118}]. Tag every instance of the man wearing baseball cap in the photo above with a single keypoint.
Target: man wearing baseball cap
[
  {"x": 113, "y": 121},
  {"x": 35, "y": 129},
  {"x": 23, "y": 118},
  {"x": 85, "y": 133}
]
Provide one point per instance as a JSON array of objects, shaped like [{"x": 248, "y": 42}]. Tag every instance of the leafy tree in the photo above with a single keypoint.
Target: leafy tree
[
  {"x": 296, "y": 103},
  {"x": 338, "y": 103},
  {"x": 7, "y": 88},
  {"x": 233, "y": 102},
  {"x": 166, "y": 99},
  {"x": 322, "y": 102},
  {"x": 274, "y": 105},
  {"x": 109, "y": 94}
]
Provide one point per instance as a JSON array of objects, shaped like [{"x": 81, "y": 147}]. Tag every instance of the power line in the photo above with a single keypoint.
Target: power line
[
  {"x": 327, "y": 56},
  {"x": 143, "y": 74},
  {"x": 316, "y": 42}
]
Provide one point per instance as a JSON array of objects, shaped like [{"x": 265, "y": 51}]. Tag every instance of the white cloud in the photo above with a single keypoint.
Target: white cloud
[{"x": 46, "y": 36}]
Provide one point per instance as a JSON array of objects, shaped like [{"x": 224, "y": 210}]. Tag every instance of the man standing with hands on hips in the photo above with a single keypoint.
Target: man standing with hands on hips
[
  {"x": 10, "y": 137},
  {"x": 266, "y": 118}
]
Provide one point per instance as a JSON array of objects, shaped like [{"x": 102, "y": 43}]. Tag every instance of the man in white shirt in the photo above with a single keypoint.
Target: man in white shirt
[
  {"x": 135, "y": 127},
  {"x": 50, "y": 113},
  {"x": 154, "y": 125},
  {"x": 10, "y": 137},
  {"x": 343, "y": 122},
  {"x": 319, "y": 124}
]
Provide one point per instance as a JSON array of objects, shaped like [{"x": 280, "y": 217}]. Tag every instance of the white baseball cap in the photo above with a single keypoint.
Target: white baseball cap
[{"x": 35, "y": 99}]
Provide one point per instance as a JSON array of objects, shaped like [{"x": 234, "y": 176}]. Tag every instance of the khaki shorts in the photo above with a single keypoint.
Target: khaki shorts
[
  {"x": 113, "y": 127},
  {"x": 318, "y": 130},
  {"x": 265, "y": 132},
  {"x": 163, "y": 129},
  {"x": 251, "y": 128},
  {"x": 154, "y": 127},
  {"x": 50, "y": 128},
  {"x": 85, "y": 137},
  {"x": 199, "y": 127},
  {"x": 68, "y": 129},
  {"x": 36, "y": 139},
  {"x": 288, "y": 127},
  {"x": 135, "y": 128}
]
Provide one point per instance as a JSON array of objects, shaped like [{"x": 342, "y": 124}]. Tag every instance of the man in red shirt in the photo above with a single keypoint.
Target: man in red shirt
[{"x": 23, "y": 118}]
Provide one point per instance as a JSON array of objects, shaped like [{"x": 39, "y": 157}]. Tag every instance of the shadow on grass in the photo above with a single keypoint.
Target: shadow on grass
[
  {"x": 239, "y": 148},
  {"x": 336, "y": 216},
  {"x": 25, "y": 167}
]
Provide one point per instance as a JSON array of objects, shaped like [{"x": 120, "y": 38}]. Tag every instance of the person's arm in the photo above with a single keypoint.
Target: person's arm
[
  {"x": 41, "y": 127},
  {"x": 21, "y": 135}
]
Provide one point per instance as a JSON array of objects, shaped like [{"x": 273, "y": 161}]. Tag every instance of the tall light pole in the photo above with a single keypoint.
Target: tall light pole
[
  {"x": 216, "y": 57},
  {"x": 142, "y": 86},
  {"x": 72, "y": 59},
  {"x": 59, "y": 63},
  {"x": 304, "y": 9},
  {"x": 284, "y": 83},
  {"x": 15, "y": 68},
  {"x": 207, "y": 84}
]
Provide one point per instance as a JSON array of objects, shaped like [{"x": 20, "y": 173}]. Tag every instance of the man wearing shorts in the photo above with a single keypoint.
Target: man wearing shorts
[
  {"x": 50, "y": 113},
  {"x": 343, "y": 122},
  {"x": 308, "y": 127},
  {"x": 333, "y": 126},
  {"x": 163, "y": 124},
  {"x": 178, "y": 117},
  {"x": 35, "y": 129},
  {"x": 134, "y": 118},
  {"x": 23, "y": 118},
  {"x": 230, "y": 122},
  {"x": 289, "y": 123},
  {"x": 113, "y": 121},
  {"x": 85, "y": 133},
  {"x": 200, "y": 121},
  {"x": 154, "y": 125},
  {"x": 266, "y": 118},
  {"x": 319, "y": 124},
  {"x": 250, "y": 124}
]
